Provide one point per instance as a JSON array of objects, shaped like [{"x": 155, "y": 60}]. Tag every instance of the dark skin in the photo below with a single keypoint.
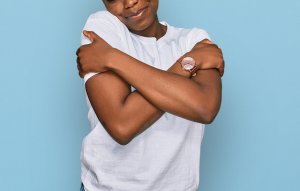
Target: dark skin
[{"x": 125, "y": 114}]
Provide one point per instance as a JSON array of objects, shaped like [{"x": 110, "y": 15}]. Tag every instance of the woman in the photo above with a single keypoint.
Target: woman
[{"x": 151, "y": 87}]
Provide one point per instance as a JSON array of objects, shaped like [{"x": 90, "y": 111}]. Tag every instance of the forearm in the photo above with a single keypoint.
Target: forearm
[
  {"x": 124, "y": 113},
  {"x": 145, "y": 114},
  {"x": 134, "y": 116},
  {"x": 132, "y": 113},
  {"x": 167, "y": 91}
]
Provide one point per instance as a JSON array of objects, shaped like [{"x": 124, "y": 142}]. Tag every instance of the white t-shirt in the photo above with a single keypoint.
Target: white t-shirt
[{"x": 166, "y": 156}]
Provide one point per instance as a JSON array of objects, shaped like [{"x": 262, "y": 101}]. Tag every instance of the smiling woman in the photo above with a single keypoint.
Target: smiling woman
[
  {"x": 147, "y": 105},
  {"x": 140, "y": 17}
]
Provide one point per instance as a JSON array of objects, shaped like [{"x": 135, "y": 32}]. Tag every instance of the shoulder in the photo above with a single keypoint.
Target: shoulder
[
  {"x": 106, "y": 25},
  {"x": 188, "y": 32},
  {"x": 188, "y": 37},
  {"x": 102, "y": 16},
  {"x": 103, "y": 20},
  {"x": 197, "y": 33},
  {"x": 192, "y": 34}
]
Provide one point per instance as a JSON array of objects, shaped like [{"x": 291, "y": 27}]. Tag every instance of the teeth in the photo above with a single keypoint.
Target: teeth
[
  {"x": 136, "y": 14},
  {"x": 139, "y": 14}
]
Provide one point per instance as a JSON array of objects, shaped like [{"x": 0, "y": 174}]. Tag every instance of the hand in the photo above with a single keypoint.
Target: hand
[
  {"x": 207, "y": 56},
  {"x": 93, "y": 57}
]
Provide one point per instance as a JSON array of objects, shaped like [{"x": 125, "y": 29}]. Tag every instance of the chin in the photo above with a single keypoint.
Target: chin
[
  {"x": 141, "y": 27},
  {"x": 138, "y": 29}
]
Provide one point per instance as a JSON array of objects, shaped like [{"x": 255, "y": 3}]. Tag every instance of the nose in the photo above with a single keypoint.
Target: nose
[{"x": 130, "y": 3}]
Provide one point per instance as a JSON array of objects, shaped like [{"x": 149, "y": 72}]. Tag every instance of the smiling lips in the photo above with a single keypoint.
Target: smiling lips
[{"x": 137, "y": 14}]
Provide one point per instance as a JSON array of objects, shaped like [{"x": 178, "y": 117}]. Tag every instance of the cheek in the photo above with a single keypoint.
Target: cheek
[
  {"x": 154, "y": 3},
  {"x": 115, "y": 9}
]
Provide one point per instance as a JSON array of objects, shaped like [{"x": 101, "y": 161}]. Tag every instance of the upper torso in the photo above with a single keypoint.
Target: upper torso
[{"x": 166, "y": 155}]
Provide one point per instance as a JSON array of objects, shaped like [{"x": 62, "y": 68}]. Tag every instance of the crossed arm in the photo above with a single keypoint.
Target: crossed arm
[{"x": 125, "y": 114}]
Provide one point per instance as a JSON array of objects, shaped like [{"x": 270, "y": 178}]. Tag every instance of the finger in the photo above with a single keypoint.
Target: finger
[
  {"x": 221, "y": 71},
  {"x": 91, "y": 35},
  {"x": 78, "y": 67},
  {"x": 213, "y": 45},
  {"x": 82, "y": 74},
  {"x": 78, "y": 60},
  {"x": 206, "y": 41},
  {"x": 220, "y": 51}
]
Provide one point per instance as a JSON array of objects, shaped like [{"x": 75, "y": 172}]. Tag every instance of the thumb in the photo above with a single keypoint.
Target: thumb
[{"x": 91, "y": 35}]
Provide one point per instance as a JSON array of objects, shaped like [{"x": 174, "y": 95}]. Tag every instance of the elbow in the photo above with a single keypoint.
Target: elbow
[
  {"x": 119, "y": 133},
  {"x": 206, "y": 115}
]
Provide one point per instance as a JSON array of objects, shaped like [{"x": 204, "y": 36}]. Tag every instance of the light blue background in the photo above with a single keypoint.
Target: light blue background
[{"x": 254, "y": 143}]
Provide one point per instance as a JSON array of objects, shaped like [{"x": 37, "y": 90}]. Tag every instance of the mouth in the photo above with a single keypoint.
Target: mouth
[{"x": 136, "y": 14}]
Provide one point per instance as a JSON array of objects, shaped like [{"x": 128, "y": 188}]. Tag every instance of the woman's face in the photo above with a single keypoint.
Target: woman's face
[{"x": 137, "y": 15}]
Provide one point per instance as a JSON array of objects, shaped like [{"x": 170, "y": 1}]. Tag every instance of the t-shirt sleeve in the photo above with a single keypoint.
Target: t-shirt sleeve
[
  {"x": 196, "y": 35},
  {"x": 104, "y": 25}
]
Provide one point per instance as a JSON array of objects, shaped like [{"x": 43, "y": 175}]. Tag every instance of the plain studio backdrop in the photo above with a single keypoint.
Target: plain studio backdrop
[{"x": 254, "y": 143}]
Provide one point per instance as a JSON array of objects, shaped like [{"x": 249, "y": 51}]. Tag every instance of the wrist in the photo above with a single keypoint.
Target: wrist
[
  {"x": 111, "y": 57},
  {"x": 176, "y": 69},
  {"x": 188, "y": 65}
]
